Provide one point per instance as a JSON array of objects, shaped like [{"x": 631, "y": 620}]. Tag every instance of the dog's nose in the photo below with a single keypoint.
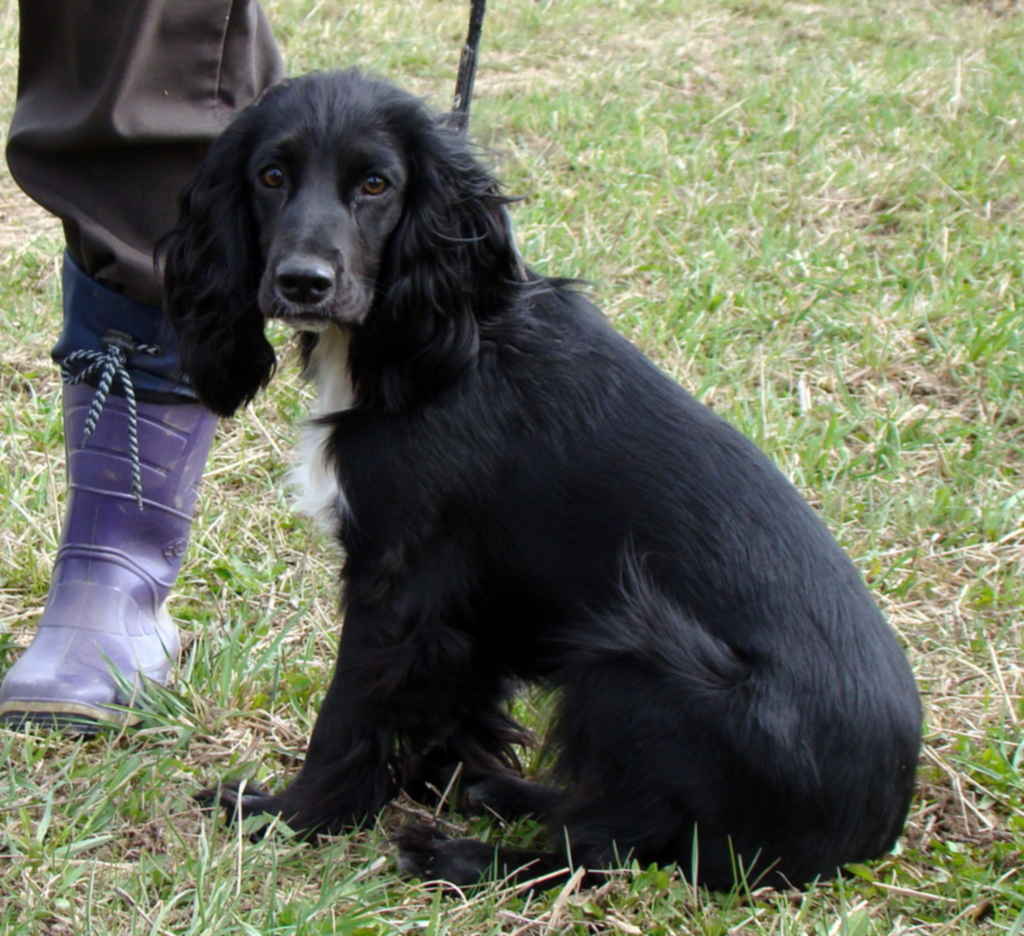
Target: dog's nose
[{"x": 305, "y": 280}]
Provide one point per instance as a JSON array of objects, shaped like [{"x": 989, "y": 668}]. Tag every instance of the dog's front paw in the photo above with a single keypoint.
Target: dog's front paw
[
  {"x": 428, "y": 854},
  {"x": 417, "y": 845},
  {"x": 240, "y": 800}
]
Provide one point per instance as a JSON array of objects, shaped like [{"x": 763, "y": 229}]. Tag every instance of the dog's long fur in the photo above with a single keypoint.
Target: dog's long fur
[{"x": 522, "y": 496}]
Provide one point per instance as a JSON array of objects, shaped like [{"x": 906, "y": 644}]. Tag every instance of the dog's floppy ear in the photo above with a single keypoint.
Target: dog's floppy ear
[
  {"x": 448, "y": 266},
  {"x": 211, "y": 270}
]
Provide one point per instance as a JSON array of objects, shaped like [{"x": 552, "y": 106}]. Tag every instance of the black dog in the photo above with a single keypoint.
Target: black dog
[{"x": 522, "y": 496}]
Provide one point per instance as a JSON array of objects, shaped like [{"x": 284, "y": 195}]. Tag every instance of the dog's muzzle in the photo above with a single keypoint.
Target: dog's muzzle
[{"x": 309, "y": 293}]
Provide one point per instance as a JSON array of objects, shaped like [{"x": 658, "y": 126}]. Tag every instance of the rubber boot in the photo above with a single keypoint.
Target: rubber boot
[{"x": 120, "y": 552}]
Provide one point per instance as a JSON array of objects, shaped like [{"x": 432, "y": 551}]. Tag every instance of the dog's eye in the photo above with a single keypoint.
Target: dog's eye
[
  {"x": 374, "y": 185},
  {"x": 272, "y": 177}
]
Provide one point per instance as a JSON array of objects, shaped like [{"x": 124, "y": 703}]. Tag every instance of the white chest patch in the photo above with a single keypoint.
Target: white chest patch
[{"x": 313, "y": 478}]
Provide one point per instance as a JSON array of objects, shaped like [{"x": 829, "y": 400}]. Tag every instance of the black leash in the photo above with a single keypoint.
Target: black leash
[
  {"x": 463, "y": 97},
  {"x": 467, "y": 66}
]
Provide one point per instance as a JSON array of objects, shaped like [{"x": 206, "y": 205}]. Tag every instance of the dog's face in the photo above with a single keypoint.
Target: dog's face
[
  {"x": 324, "y": 213},
  {"x": 336, "y": 199}
]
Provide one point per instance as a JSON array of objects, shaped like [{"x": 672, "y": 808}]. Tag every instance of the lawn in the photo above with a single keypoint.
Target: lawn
[{"x": 808, "y": 213}]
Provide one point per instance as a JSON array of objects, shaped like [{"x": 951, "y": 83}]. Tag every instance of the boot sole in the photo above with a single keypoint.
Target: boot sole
[{"x": 65, "y": 717}]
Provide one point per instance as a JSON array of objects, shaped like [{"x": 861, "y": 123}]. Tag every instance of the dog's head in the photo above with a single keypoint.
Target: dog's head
[{"x": 336, "y": 199}]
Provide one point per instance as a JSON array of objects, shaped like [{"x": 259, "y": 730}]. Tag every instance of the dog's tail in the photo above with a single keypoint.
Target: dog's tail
[{"x": 648, "y": 629}]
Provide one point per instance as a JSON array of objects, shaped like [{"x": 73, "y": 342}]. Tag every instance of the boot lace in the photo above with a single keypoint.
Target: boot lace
[{"x": 109, "y": 365}]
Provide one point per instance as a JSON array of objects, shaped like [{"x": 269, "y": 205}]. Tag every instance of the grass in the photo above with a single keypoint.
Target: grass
[{"x": 810, "y": 214}]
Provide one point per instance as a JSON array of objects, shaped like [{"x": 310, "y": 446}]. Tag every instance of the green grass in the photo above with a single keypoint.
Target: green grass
[{"x": 811, "y": 215}]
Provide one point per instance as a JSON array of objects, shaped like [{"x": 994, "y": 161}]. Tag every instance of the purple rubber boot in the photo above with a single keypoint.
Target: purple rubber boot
[{"x": 124, "y": 537}]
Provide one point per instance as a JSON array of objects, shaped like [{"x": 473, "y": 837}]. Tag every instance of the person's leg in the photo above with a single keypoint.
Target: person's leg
[{"x": 117, "y": 101}]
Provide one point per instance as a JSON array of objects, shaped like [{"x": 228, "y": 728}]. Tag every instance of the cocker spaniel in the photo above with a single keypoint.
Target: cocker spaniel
[{"x": 523, "y": 497}]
